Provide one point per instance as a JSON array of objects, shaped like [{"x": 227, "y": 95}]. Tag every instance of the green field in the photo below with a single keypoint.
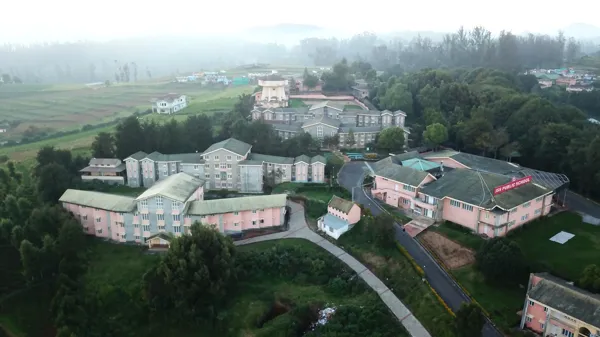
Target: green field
[
  {"x": 203, "y": 100},
  {"x": 567, "y": 260}
]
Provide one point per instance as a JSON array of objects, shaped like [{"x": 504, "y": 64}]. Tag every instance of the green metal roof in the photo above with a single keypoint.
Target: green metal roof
[
  {"x": 228, "y": 205},
  {"x": 105, "y": 201},
  {"x": 250, "y": 162},
  {"x": 340, "y": 204},
  {"x": 303, "y": 158},
  {"x": 177, "y": 187},
  {"x": 271, "y": 159},
  {"x": 138, "y": 155},
  {"x": 318, "y": 159},
  {"x": 476, "y": 188},
  {"x": 420, "y": 164},
  {"x": 406, "y": 175},
  {"x": 231, "y": 144}
]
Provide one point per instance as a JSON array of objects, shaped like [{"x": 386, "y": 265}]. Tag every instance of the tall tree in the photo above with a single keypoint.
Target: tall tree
[
  {"x": 469, "y": 320},
  {"x": 391, "y": 139},
  {"x": 435, "y": 134},
  {"x": 128, "y": 136},
  {"x": 103, "y": 146}
]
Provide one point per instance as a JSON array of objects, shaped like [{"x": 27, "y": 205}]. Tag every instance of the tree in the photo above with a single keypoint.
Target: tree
[
  {"x": 53, "y": 181},
  {"x": 309, "y": 80},
  {"x": 382, "y": 230},
  {"x": 590, "y": 278},
  {"x": 128, "y": 136},
  {"x": 271, "y": 179},
  {"x": 350, "y": 141},
  {"x": 435, "y": 134},
  {"x": 391, "y": 139},
  {"x": 195, "y": 275},
  {"x": 501, "y": 261},
  {"x": 469, "y": 320},
  {"x": 103, "y": 146},
  {"x": 398, "y": 97}
]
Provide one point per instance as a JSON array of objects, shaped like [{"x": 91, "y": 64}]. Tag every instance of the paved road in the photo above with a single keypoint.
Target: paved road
[
  {"x": 351, "y": 175},
  {"x": 581, "y": 204},
  {"x": 299, "y": 229}
]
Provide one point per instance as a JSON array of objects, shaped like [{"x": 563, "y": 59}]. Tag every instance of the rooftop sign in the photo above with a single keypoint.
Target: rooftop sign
[{"x": 511, "y": 185}]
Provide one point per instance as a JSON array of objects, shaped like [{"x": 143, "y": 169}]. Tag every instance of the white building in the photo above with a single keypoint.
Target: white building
[
  {"x": 169, "y": 104},
  {"x": 273, "y": 94}
]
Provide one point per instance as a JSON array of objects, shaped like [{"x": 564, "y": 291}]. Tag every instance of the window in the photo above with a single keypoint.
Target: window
[
  {"x": 177, "y": 217},
  {"x": 176, "y": 205},
  {"x": 216, "y": 157},
  {"x": 123, "y": 236},
  {"x": 137, "y": 237},
  {"x": 228, "y": 158},
  {"x": 528, "y": 319},
  {"x": 408, "y": 188},
  {"x": 196, "y": 167},
  {"x": 545, "y": 309},
  {"x": 539, "y": 199},
  {"x": 531, "y": 303},
  {"x": 235, "y": 224},
  {"x": 136, "y": 225},
  {"x": 538, "y": 211},
  {"x": 160, "y": 217},
  {"x": 98, "y": 219},
  {"x": 229, "y": 185},
  {"x": 525, "y": 217},
  {"x": 567, "y": 333},
  {"x": 207, "y": 166},
  {"x": 159, "y": 202},
  {"x": 406, "y": 201},
  {"x": 253, "y": 211},
  {"x": 161, "y": 227},
  {"x": 454, "y": 203},
  {"x": 527, "y": 204},
  {"x": 145, "y": 216},
  {"x": 487, "y": 215},
  {"x": 144, "y": 204},
  {"x": 217, "y": 175},
  {"x": 146, "y": 228},
  {"x": 253, "y": 222},
  {"x": 228, "y": 166},
  {"x": 177, "y": 229},
  {"x": 165, "y": 173},
  {"x": 121, "y": 224},
  {"x": 85, "y": 217},
  {"x": 467, "y": 207},
  {"x": 216, "y": 165},
  {"x": 542, "y": 325},
  {"x": 510, "y": 224},
  {"x": 261, "y": 221},
  {"x": 99, "y": 231},
  {"x": 207, "y": 175},
  {"x": 229, "y": 176},
  {"x": 236, "y": 213},
  {"x": 514, "y": 210},
  {"x": 319, "y": 131},
  {"x": 223, "y": 166}
]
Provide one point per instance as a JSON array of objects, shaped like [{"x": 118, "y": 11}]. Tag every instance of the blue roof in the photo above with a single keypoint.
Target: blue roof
[
  {"x": 420, "y": 164},
  {"x": 334, "y": 222}
]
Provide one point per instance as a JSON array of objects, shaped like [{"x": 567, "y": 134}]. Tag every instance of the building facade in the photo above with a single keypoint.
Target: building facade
[
  {"x": 108, "y": 170},
  {"x": 169, "y": 104},
  {"x": 274, "y": 93},
  {"x": 554, "y": 307},
  {"x": 171, "y": 205},
  {"x": 328, "y": 119},
  {"x": 488, "y": 196},
  {"x": 225, "y": 165},
  {"x": 341, "y": 216}
]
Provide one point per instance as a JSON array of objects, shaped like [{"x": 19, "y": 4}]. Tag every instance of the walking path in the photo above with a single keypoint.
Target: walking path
[{"x": 299, "y": 229}]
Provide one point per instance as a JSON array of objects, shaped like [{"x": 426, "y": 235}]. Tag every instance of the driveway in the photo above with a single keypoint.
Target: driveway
[
  {"x": 581, "y": 204},
  {"x": 299, "y": 229},
  {"x": 351, "y": 175}
]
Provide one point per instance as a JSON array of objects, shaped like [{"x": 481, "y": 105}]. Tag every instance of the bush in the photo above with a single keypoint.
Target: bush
[{"x": 500, "y": 260}]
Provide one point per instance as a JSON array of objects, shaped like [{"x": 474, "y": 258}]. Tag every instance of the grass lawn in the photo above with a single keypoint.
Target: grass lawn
[
  {"x": 502, "y": 304},
  {"x": 320, "y": 192},
  {"x": 396, "y": 271},
  {"x": 567, "y": 260}
]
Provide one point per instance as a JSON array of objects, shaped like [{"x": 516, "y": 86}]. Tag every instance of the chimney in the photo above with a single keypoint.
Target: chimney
[{"x": 442, "y": 166}]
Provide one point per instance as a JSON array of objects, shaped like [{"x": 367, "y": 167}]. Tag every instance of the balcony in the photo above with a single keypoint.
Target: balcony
[{"x": 422, "y": 203}]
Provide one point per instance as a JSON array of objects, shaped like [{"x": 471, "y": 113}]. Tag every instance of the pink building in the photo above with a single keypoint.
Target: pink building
[
  {"x": 475, "y": 192},
  {"x": 554, "y": 307},
  {"x": 170, "y": 206},
  {"x": 341, "y": 215}
]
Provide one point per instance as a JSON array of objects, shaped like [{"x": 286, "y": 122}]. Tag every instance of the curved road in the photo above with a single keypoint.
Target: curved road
[
  {"x": 299, "y": 229},
  {"x": 351, "y": 177}
]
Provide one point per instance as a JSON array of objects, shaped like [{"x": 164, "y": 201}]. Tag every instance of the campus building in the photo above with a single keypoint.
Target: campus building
[
  {"x": 327, "y": 119},
  {"x": 171, "y": 205},
  {"x": 554, "y": 307},
  {"x": 229, "y": 164},
  {"x": 488, "y": 196},
  {"x": 341, "y": 216}
]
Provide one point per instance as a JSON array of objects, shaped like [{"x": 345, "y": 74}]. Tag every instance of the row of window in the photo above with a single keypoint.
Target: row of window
[
  {"x": 175, "y": 205},
  {"x": 161, "y": 217},
  {"x": 462, "y": 205},
  {"x": 216, "y": 157}
]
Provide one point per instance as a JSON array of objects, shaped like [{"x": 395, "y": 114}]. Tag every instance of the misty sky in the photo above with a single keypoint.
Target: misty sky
[{"x": 43, "y": 20}]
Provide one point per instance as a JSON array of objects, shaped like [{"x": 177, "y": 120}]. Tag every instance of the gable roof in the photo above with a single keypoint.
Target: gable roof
[
  {"x": 178, "y": 187},
  {"x": 340, "y": 204},
  {"x": 188, "y": 158},
  {"x": 333, "y": 105},
  {"x": 105, "y": 161},
  {"x": 334, "y": 123},
  {"x": 137, "y": 156},
  {"x": 476, "y": 188},
  {"x": 560, "y": 295},
  {"x": 105, "y": 201},
  {"x": 399, "y": 158},
  {"x": 228, "y": 205},
  {"x": 406, "y": 175},
  {"x": 167, "y": 236},
  {"x": 302, "y": 158},
  {"x": 271, "y": 159},
  {"x": 334, "y": 222},
  {"x": 232, "y": 145},
  {"x": 170, "y": 97},
  {"x": 318, "y": 159}
]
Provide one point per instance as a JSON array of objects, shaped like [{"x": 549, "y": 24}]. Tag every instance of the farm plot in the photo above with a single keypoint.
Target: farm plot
[{"x": 452, "y": 254}]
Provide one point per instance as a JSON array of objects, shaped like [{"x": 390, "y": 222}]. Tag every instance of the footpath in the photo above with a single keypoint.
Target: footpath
[{"x": 298, "y": 229}]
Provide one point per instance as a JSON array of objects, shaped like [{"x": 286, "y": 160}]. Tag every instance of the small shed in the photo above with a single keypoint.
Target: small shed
[{"x": 160, "y": 240}]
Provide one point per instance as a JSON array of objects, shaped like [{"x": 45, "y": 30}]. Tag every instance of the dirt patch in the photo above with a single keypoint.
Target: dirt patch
[
  {"x": 374, "y": 261},
  {"x": 452, "y": 254}
]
